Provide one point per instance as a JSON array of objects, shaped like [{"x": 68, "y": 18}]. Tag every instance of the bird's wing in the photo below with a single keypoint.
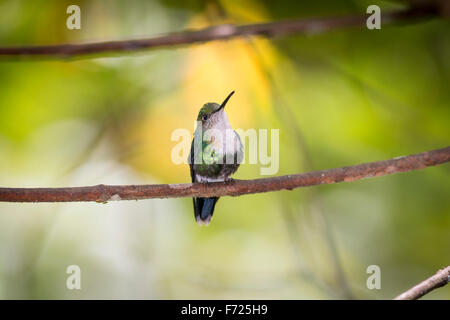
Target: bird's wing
[
  {"x": 239, "y": 149},
  {"x": 198, "y": 202},
  {"x": 191, "y": 162}
]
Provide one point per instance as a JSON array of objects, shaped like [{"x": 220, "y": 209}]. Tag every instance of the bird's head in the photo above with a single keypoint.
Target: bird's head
[{"x": 213, "y": 113}]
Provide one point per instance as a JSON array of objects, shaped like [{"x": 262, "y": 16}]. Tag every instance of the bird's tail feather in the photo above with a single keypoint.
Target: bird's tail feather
[{"x": 203, "y": 209}]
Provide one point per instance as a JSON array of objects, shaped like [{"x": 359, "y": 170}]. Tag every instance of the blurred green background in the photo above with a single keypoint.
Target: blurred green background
[{"x": 340, "y": 98}]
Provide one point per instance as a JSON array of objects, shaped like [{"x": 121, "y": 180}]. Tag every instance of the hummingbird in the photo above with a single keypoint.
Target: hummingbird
[{"x": 216, "y": 153}]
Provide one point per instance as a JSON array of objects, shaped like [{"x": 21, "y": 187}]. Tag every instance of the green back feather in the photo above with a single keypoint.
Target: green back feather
[{"x": 207, "y": 109}]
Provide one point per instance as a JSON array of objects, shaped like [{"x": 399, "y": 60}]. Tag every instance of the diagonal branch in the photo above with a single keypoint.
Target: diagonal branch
[
  {"x": 416, "y": 12},
  {"x": 440, "y": 279},
  {"x": 102, "y": 193}
]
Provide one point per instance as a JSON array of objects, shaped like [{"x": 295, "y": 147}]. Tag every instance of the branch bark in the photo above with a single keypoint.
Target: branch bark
[
  {"x": 440, "y": 279},
  {"x": 102, "y": 193},
  {"x": 226, "y": 31}
]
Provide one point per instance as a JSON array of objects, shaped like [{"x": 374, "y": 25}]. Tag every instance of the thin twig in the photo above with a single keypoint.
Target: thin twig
[
  {"x": 440, "y": 279},
  {"x": 225, "y": 31},
  {"x": 102, "y": 193}
]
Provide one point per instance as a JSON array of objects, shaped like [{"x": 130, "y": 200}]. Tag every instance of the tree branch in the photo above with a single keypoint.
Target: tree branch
[
  {"x": 226, "y": 31},
  {"x": 440, "y": 279},
  {"x": 102, "y": 193}
]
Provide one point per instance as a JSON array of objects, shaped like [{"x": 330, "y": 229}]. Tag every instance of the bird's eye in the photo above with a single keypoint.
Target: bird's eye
[{"x": 205, "y": 117}]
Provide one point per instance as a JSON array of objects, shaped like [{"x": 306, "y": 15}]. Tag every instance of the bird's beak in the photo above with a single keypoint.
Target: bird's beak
[{"x": 225, "y": 101}]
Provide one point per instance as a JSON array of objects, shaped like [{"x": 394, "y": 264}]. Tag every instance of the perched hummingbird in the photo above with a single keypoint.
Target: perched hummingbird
[{"x": 216, "y": 153}]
